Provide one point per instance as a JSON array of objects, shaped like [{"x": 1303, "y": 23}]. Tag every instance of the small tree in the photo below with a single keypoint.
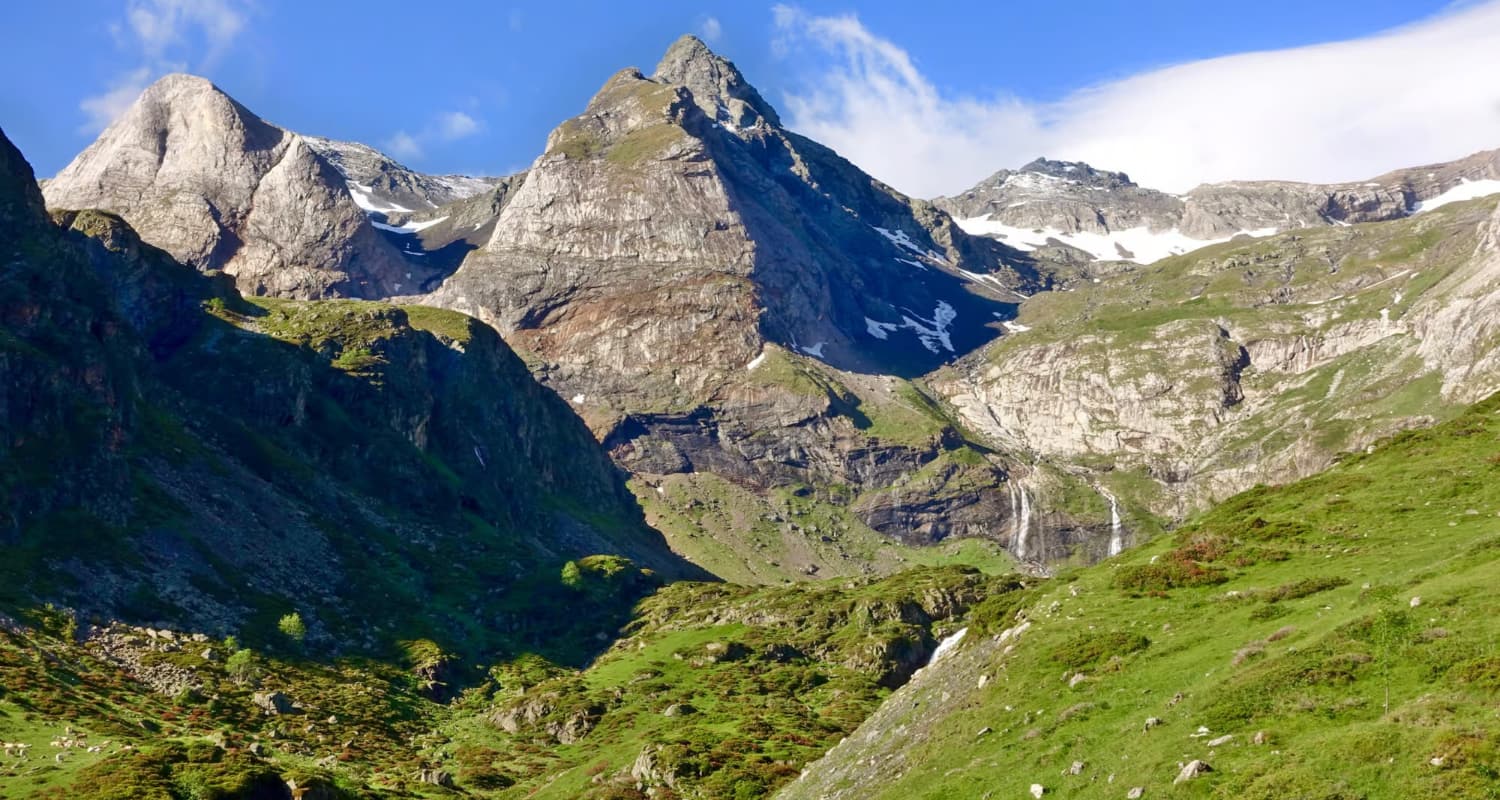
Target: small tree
[
  {"x": 293, "y": 627},
  {"x": 242, "y": 667},
  {"x": 572, "y": 576}
]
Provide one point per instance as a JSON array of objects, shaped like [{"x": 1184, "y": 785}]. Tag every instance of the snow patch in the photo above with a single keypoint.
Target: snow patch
[
  {"x": 934, "y": 332},
  {"x": 982, "y": 278},
  {"x": 814, "y": 350},
  {"x": 409, "y": 228},
  {"x": 364, "y": 197},
  {"x": 900, "y": 239},
  {"x": 1015, "y": 327},
  {"x": 880, "y": 330},
  {"x": 917, "y": 264},
  {"x": 1144, "y": 245},
  {"x": 757, "y": 361},
  {"x": 1467, "y": 190},
  {"x": 578, "y": 399}
]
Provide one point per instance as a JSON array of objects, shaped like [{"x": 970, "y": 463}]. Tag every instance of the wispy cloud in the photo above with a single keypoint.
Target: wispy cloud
[
  {"x": 403, "y": 145},
  {"x": 159, "y": 25},
  {"x": 102, "y": 109},
  {"x": 1338, "y": 111},
  {"x": 162, "y": 36},
  {"x": 448, "y": 126},
  {"x": 711, "y": 30}
]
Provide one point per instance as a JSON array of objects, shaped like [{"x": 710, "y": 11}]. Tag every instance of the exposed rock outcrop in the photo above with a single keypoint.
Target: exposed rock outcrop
[
  {"x": 1057, "y": 200},
  {"x": 203, "y": 178}
]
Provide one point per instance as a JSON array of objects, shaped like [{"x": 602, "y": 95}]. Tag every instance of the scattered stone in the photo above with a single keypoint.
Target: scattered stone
[
  {"x": 1076, "y": 769},
  {"x": 1176, "y": 698},
  {"x": 1437, "y": 761},
  {"x": 1222, "y": 740},
  {"x": 679, "y": 710},
  {"x": 1135, "y": 793},
  {"x": 1416, "y": 601},
  {"x": 985, "y": 731},
  {"x": 1037, "y": 790},
  {"x": 256, "y": 749},
  {"x": 1201, "y": 732},
  {"x": 1077, "y": 679},
  {"x": 1151, "y": 722},
  {"x": 435, "y": 777},
  {"x": 1193, "y": 769},
  {"x": 273, "y": 703},
  {"x": 983, "y": 681},
  {"x": 1261, "y": 737}
]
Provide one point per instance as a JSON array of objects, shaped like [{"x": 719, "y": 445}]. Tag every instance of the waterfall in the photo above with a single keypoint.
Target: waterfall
[
  {"x": 1116, "y": 538},
  {"x": 947, "y": 644},
  {"x": 1023, "y": 523}
]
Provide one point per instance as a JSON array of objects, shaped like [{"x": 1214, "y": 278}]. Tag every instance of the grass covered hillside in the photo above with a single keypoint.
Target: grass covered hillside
[
  {"x": 710, "y": 691},
  {"x": 1335, "y": 638}
]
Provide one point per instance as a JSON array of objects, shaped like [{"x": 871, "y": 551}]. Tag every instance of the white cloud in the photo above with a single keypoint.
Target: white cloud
[
  {"x": 453, "y": 125},
  {"x": 403, "y": 145},
  {"x": 711, "y": 30},
  {"x": 1339, "y": 111},
  {"x": 448, "y": 126},
  {"x": 102, "y": 109},
  {"x": 159, "y": 34},
  {"x": 161, "y": 24}
]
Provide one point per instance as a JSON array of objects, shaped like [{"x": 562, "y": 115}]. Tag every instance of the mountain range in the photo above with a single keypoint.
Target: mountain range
[{"x": 549, "y": 467}]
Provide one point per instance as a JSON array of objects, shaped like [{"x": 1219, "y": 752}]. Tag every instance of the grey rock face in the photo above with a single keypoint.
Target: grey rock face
[
  {"x": 1065, "y": 196},
  {"x": 392, "y": 183},
  {"x": 674, "y": 234},
  {"x": 1071, "y": 197},
  {"x": 200, "y": 176},
  {"x": 1255, "y": 364},
  {"x": 661, "y": 239}
]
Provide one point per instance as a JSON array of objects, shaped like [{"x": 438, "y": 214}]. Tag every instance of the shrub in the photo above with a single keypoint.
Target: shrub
[
  {"x": 1303, "y": 588},
  {"x": 242, "y": 667},
  {"x": 1088, "y": 649},
  {"x": 292, "y": 627}
]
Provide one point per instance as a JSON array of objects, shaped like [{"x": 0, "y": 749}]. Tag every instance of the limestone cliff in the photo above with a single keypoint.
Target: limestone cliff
[{"x": 203, "y": 178}]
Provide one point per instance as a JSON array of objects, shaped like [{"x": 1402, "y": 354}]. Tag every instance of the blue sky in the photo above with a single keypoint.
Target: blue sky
[{"x": 476, "y": 86}]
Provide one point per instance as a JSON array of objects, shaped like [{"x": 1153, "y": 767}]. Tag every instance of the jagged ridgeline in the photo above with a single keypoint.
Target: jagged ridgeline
[
  {"x": 742, "y": 316},
  {"x": 176, "y": 454}
]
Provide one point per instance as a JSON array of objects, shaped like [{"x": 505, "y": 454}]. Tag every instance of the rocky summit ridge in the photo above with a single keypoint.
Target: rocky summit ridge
[
  {"x": 202, "y": 177},
  {"x": 750, "y": 323},
  {"x": 678, "y": 198},
  {"x": 1107, "y": 216}
]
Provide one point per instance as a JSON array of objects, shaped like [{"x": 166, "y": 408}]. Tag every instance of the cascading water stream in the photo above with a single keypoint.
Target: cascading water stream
[{"x": 1116, "y": 535}]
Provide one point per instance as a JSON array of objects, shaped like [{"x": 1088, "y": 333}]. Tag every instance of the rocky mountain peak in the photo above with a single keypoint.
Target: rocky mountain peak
[
  {"x": 20, "y": 200},
  {"x": 204, "y": 178},
  {"x": 1077, "y": 172},
  {"x": 717, "y": 85}
]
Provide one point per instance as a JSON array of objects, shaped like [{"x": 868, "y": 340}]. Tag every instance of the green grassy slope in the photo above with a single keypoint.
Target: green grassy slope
[
  {"x": 1343, "y": 631},
  {"x": 719, "y": 691}
]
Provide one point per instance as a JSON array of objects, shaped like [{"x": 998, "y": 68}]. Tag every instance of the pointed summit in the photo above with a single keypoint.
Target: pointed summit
[
  {"x": 204, "y": 178},
  {"x": 717, "y": 85}
]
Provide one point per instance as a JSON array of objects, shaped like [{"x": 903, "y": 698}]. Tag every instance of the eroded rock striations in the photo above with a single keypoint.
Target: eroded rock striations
[
  {"x": 675, "y": 256},
  {"x": 1250, "y": 363},
  {"x": 203, "y": 178}
]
